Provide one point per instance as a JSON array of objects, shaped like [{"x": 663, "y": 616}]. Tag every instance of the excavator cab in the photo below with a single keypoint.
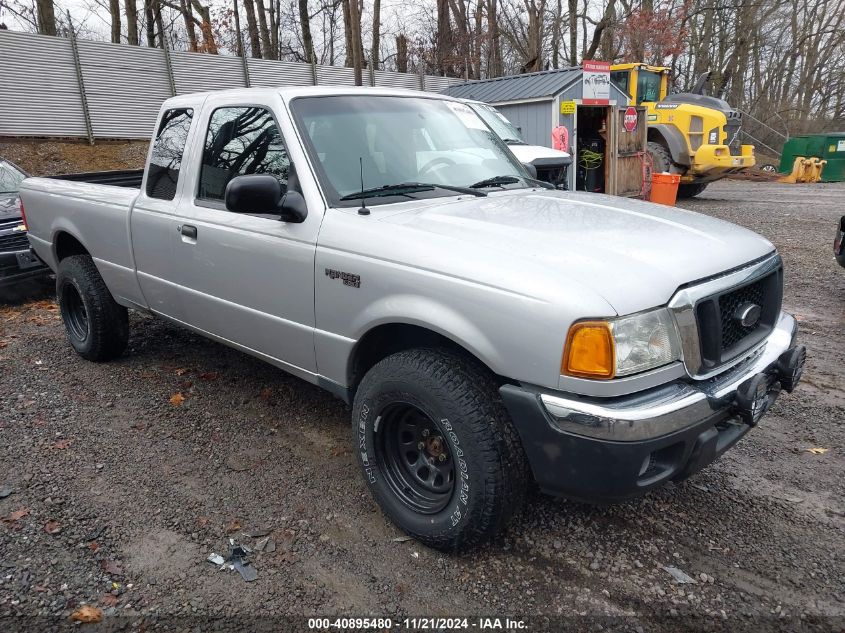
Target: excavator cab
[{"x": 690, "y": 133}]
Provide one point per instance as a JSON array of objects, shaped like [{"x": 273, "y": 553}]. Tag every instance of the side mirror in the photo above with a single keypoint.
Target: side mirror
[
  {"x": 262, "y": 193},
  {"x": 257, "y": 193},
  {"x": 530, "y": 169}
]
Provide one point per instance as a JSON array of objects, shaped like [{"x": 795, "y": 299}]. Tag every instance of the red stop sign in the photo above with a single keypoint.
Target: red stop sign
[{"x": 629, "y": 120}]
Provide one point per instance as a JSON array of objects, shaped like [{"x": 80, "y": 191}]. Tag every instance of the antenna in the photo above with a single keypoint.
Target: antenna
[{"x": 363, "y": 210}]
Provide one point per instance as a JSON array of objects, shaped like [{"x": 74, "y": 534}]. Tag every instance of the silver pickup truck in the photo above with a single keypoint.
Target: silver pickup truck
[{"x": 486, "y": 331}]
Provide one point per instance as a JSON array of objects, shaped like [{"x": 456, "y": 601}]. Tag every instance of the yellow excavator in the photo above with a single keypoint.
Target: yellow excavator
[{"x": 689, "y": 133}]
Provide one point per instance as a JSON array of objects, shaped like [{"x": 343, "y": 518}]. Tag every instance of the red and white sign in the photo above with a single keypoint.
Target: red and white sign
[
  {"x": 595, "y": 83},
  {"x": 629, "y": 119}
]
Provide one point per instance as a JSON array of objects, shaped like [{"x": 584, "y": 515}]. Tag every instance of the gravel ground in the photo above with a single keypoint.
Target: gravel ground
[{"x": 125, "y": 476}]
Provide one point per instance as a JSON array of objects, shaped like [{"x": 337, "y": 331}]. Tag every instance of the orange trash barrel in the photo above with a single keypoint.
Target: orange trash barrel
[{"x": 664, "y": 188}]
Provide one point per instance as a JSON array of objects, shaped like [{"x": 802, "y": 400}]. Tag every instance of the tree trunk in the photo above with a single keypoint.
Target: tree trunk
[
  {"x": 402, "y": 53},
  {"x": 305, "y": 23},
  {"x": 46, "y": 17},
  {"x": 131, "y": 22},
  {"x": 208, "y": 43},
  {"x": 149, "y": 23},
  {"x": 443, "y": 42},
  {"x": 159, "y": 23},
  {"x": 263, "y": 30},
  {"x": 573, "y": 32},
  {"x": 375, "y": 57},
  {"x": 188, "y": 19},
  {"x": 274, "y": 29},
  {"x": 252, "y": 29},
  {"x": 347, "y": 31},
  {"x": 494, "y": 59},
  {"x": 114, "y": 12},
  {"x": 357, "y": 50}
]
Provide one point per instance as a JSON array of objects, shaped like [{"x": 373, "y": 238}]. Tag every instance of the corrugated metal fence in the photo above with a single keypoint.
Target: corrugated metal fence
[{"x": 58, "y": 87}]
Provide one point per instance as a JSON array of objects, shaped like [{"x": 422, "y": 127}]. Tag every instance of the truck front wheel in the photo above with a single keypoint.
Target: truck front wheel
[
  {"x": 437, "y": 447},
  {"x": 97, "y": 327}
]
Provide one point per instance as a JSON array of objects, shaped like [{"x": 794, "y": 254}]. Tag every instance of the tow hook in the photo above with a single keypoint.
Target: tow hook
[{"x": 756, "y": 395}]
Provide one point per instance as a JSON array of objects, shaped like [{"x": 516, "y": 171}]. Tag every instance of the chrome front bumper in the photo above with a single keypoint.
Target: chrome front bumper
[{"x": 675, "y": 406}]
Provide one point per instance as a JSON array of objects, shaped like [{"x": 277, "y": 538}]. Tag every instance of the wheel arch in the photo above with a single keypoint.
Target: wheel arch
[
  {"x": 672, "y": 139},
  {"x": 387, "y": 338},
  {"x": 65, "y": 244}
]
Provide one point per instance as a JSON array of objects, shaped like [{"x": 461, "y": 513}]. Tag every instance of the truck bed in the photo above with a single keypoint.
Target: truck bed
[{"x": 130, "y": 178}]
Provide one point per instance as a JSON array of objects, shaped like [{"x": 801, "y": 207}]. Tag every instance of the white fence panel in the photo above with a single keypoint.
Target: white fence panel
[
  {"x": 267, "y": 73},
  {"x": 433, "y": 83},
  {"x": 337, "y": 76},
  {"x": 124, "y": 86},
  {"x": 389, "y": 79},
  {"x": 40, "y": 94},
  {"x": 198, "y": 72}
]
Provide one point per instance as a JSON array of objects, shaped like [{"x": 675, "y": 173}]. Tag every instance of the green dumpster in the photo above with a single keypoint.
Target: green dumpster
[{"x": 829, "y": 147}]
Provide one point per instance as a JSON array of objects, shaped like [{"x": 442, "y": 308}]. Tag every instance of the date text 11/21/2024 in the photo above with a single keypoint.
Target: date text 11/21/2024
[{"x": 417, "y": 624}]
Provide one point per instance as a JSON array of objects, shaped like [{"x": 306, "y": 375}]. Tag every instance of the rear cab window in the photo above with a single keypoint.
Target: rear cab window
[{"x": 166, "y": 156}]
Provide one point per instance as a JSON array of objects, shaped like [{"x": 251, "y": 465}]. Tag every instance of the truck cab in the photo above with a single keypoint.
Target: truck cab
[{"x": 691, "y": 134}]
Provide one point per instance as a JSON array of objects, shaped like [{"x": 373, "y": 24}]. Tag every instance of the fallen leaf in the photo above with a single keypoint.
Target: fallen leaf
[
  {"x": 340, "y": 451},
  {"x": 62, "y": 445},
  {"x": 177, "y": 399},
  {"x": 266, "y": 393},
  {"x": 181, "y": 371},
  {"x": 3, "y": 344},
  {"x": 110, "y": 600},
  {"x": 234, "y": 526},
  {"x": 17, "y": 515},
  {"x": 93, "y": 546},
  {"x": 111, "y": 567},
  {"x": 817, "y": 451},
  {"x": 209, "y": 376},
  {"x": 87, "y": 614},
  {"x": 202, "y": 521},
  {"x": 52, "y": 527},
  {"x": 186, "y": 385},
  {"x": 138, "y": 426}
]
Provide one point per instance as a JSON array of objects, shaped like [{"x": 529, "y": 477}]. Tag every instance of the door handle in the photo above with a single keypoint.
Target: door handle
[{"x": 188, "y": 231}]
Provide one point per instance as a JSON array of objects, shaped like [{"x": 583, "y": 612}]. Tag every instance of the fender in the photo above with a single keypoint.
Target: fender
[{"x": 674, "y": 141}]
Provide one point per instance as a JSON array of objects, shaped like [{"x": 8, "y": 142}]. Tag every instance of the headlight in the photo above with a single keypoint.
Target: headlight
[{"x": 620, "y": 347}]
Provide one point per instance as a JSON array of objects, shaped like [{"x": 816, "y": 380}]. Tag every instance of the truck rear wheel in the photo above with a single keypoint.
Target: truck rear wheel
[
  {"x": 96, "y": 326},
  {"x": 437, "y": 448},
  {"x": 690, "y": 191}
]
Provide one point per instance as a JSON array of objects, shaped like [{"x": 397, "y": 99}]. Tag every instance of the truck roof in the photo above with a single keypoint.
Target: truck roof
[{"x": 289, "y": 92}]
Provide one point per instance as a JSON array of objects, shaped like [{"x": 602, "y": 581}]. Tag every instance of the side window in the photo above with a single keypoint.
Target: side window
[
  {"x": 166, "y": 157},
  {"x": 241, "y": 141}
]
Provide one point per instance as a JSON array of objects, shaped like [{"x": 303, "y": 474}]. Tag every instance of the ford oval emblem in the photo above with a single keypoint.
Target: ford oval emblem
[{"x": 748, "y": 314}]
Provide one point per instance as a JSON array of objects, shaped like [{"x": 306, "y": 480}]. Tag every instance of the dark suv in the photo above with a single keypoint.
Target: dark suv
[
  {"x": 16, "y": 261},
  {"x": 839, "y": 242}
]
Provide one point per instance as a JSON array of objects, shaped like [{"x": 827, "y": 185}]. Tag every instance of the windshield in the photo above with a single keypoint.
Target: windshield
[
  {"x": 396, "y": 140},
  {"x": 10, "y": 177},
  {"x": 499, "y": 124},
  {"x": 648, "y": 86}
]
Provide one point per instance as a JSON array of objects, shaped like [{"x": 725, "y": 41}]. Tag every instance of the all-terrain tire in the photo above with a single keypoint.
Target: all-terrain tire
[
  {"x": 662, "y": 160},
  {"x": 96, "y": 326},
  {"x": 459, "y": 401},
  {"x": 690, "y": 191}
]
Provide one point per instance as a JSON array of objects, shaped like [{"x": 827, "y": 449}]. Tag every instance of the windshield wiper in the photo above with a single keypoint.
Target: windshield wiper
[
  {"x": 495, "y": 181},
  {"x": 514, "y": 141},
  {"x": 405, "y": 188}
]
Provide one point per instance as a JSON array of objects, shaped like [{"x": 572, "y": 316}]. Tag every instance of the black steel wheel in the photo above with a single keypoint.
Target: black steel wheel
[
  {"x": 437, "y": 447},
  {"x": 74, "y": 313},
  {"x": 97, "y": 326},
  {"x": 415, "y": 458}
]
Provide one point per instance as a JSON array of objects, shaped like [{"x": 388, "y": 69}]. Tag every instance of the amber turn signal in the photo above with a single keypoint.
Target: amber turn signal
[{"x": 589, "y": 351}]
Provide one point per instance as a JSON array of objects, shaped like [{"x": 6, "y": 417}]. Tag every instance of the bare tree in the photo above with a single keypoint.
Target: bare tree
[
  {"x": 307, "y": 40},
  {"x": 46, "y": 17},
  {"x": 131, "y": 22},
  {"x": 375, "y": 58}
]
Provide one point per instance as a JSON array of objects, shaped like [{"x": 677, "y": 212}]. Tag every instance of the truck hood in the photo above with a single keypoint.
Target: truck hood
[{"x": 632, "y": 254}]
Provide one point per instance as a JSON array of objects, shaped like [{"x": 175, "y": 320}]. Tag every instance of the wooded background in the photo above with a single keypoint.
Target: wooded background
[{"x": 781, "y": 61}]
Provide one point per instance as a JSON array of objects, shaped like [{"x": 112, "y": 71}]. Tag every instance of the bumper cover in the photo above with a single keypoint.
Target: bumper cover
[
  {"x": 611, "y": 449},
  {"x": 16, "y": 266}
]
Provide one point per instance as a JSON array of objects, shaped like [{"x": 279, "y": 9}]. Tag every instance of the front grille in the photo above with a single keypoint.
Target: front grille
[
  {"x": 732, "y": 130},
  {"x": 722, "y": 336},
  {"x": 15, "y": 241},
  {"x": 732, "y": 330}
]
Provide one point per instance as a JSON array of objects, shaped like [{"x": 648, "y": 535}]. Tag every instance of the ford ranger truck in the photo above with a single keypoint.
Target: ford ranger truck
[{"x": 486, "y": 330}]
